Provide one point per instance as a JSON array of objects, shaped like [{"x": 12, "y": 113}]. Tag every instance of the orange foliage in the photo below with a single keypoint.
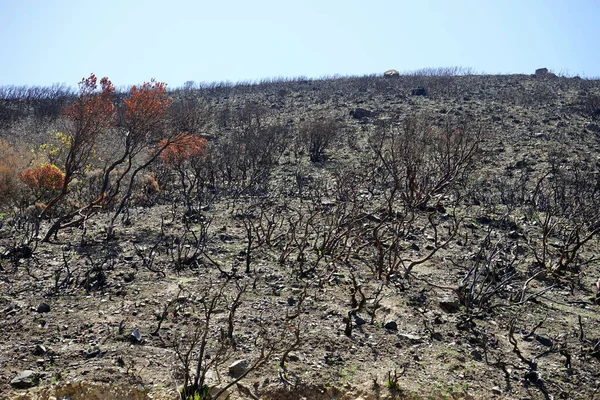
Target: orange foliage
[
  {"x": 46, "y": 176},
  {"x": 183, "y": 147},
  {"x": 145, "y": 107},
  {"x": 93, "y": 110}
]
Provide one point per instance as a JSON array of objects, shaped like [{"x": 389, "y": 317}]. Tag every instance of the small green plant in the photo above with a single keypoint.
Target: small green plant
[
  {"x": 200, "y": 394},
  {"x": 56, "y": 378},
  {"x": 392, "y": 381}
]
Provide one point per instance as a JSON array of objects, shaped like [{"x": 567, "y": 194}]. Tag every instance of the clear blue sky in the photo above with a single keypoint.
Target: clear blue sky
[{"x": 131, "y": 41}]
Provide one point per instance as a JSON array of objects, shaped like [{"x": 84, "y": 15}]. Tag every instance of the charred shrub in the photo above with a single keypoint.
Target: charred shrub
[
  {"x": 318, "y": 134},
  {"x": 421, "y": 160}
]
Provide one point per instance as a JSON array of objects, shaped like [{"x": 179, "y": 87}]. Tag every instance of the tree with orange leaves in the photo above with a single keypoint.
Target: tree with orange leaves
[
  {"x": 90, "y": 115},
  {"x": 183, "y": 148},
  {"x": 145, "y": 111}
]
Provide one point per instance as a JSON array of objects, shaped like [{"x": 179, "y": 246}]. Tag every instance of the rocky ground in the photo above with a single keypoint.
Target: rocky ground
[{"x": 317, "y": 287}]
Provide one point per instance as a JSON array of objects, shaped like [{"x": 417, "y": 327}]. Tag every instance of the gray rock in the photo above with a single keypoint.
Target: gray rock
[
  {"x": 360, "y": 113},
  {"x": 359, "y": 321},
  {"x": 40, "y": 350},
  {"x": 544, "y": 341},
  {"x": 136, "y": 336},
  {"x": 25, "y": 379},
  {"x": 391, "y": 73},
  {"x": 238, "y": 368},
  {"x": 449, "y": 304},
  {"x": 92, "y": 352},
  {"x": 413, "y": 339},
  {"x": 477, "y": 356},
  {"x": 541, "y": 72},
  {"x": 419, "y": 92},
  {"x": 391, "y": 325},
  {"x": 43, "y": 308}
]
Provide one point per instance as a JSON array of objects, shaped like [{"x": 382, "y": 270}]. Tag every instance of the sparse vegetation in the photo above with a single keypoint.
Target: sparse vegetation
[{"x": 434, "y": 235}]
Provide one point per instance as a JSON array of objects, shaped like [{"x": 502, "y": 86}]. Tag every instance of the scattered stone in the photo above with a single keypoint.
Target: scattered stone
[
  {"x": 291, "y": 301},
  {"x": 540, "y": 135},
  {"x": 136, "y": 336},
  {"x": 205, "y": 208},
  {"x": 391, "y": 325},
  {"x": 420, "y": 91},
  {"x": 40, "y": 350},
  {"x": 413, "y": 339},
  {"x": 359, "y": 321},
  {"x": 472, "y": 226},
  {"x": 496, "y": 390},
  {"x": 477, "y": 356},
  {"x": 92, "y": 352},
  {"x": 25, "y": 380},
  {"x": 238, "y": 368},
  {"x": 449, "y": 304},
  {"x": 391, "y": 73},
  {"x": 328, "y": 203},
  {"x": 532, "y": 376},
  {"x": 43, "y": 308},
  {"x": 544, "y": 341},
  {"x": 514, "y": 235},
  {"x": 360, "y": 113}
]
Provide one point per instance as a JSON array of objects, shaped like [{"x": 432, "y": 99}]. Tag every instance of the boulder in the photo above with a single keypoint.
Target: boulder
[
  {"x": 391, "y": 73},
  {"x": 238, "y": 368},
  {"x": 541, "y": 72},
  {"x": 25, "y": 380}
]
